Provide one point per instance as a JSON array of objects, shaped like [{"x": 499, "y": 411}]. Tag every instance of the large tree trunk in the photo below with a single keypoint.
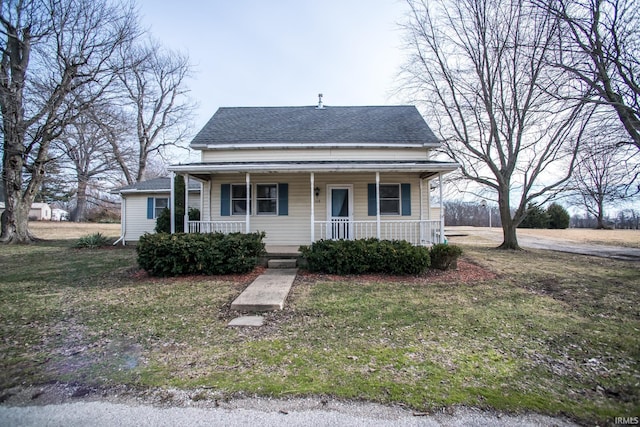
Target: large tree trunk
[
  {"x": 80, "y": 212},
  {"x": 509, "y": 225}
]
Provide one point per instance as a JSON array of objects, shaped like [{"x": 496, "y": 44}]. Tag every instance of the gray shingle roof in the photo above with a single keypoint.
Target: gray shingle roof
[
  {"x": 392, "y": 125},
  {"x": 154, "y": 185}
]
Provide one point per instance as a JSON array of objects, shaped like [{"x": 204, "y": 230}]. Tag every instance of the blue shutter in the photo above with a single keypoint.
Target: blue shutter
[
  {"x": 406, "y": 199},
  {"x": 283, "y": 199},
  {"x": 149, "y": 207},
  {"x": 225, "y": 199},
  {"x": 371, "y": 198}
]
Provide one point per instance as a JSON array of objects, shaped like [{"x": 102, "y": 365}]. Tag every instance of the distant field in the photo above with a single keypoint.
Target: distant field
[
  {"x": 480, "y": 235},
  {"x": 56, "y": 230}
]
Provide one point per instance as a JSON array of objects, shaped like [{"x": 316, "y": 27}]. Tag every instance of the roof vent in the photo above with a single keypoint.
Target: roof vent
[{"x": 320, "y": 106}]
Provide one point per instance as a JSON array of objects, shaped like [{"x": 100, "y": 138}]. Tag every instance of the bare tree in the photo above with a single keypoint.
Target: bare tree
[
  {"x": 605, "y": 174},
  {"x": 153, "y": 81},
  {"x": 480, "y": 67},
  {"x": 600, "y": 47},
  {"x": 88, "y": 153},
  {"x": 51, "y": 49}
]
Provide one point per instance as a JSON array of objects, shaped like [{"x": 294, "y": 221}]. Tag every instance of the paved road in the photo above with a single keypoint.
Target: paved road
[
  {"x": 262, "y": 412},
  {"x": 616, "y": 252}
]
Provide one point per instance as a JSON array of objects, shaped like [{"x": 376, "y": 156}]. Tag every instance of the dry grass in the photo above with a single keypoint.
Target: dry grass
[
  {"x": 484, "y": 235},
  {"x": 61, "y": 230},
  {"x": 546, "y": 332}
]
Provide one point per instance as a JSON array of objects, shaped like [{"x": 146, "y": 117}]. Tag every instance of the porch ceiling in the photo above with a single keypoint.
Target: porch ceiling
[{"x": 427, "y": 168}]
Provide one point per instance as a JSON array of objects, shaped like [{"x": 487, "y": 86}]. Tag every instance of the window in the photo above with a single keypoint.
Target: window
[
  {"x": 267, "y": 199},
  {"x": 239, "y": 199},
  {"x": 160, "y": 204},
  {"x": 389, "y": 199}
]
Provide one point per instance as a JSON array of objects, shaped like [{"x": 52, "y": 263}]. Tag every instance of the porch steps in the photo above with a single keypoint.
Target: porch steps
[
  {"x": 267, "y": 292},
  {"x": 282, "y": 263}
]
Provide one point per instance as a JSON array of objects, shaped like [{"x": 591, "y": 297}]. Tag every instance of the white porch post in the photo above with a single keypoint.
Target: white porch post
[
  {"x": 312, "y": 181},
  {"x": 247, "y": 217},
  {"x": 441, "y": 209},
  {"x": 378, "y": 205},
  {"x": 172, "y": 201},
  {"x": 210, "y": 197},
  {"x": 422, "y": 211},
  {"x": 186, "y": 203}
]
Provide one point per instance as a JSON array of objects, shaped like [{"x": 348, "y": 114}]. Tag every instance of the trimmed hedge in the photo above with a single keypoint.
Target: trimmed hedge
[
  {"x": 215, "y": 253},
  {"x": 444, "y": 256},
  {"x": 366, "y": 256}
]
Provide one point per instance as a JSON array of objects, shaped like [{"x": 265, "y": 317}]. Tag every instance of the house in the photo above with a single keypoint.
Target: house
[
  {"x": 37, "y": 212},
  {"x": 143, "y": 202},
  {"x": 58, "y": 214},
  {"x": 40, "y": 212},
  {"x": 301, "y": 174}
]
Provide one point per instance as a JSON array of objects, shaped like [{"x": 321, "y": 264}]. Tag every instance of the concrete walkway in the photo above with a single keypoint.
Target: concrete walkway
[{"x": 268, "y": 292}]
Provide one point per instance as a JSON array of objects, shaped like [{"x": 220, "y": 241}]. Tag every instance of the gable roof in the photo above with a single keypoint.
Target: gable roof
[{"x": 249, "y": 127}]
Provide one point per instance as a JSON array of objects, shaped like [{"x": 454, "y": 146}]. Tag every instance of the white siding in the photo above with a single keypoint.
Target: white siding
[
  {"x": 136, "y": 222},
  {"x": 295, "y": 228},
  {"x": 325, "y": 154},
  {"x": 136, "y": 216}
]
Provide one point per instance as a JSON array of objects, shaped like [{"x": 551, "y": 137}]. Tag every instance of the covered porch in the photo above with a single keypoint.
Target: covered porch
[{"x": 300, "y": 203}]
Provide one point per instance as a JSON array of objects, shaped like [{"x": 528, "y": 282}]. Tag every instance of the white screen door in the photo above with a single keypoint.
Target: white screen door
[{"x": 340, "y": 210}]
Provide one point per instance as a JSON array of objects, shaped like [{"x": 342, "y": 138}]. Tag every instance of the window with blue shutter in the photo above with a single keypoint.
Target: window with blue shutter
[
  {"x": 149, "y": 207},
  {"x": 225, "y": 199},
  {"x": 406, "y": 199},
  {"x": 283, "y": 199},
  {"x": 371, "y": 199}
]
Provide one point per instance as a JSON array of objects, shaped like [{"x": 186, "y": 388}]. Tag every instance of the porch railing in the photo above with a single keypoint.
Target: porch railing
[
  {"x": 416, "y": 232},
  {"x": 419, "y": 233},
  {"x": 224, "y": 227}
]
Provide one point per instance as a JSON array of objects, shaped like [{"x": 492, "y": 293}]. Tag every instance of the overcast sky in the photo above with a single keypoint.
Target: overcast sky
[{"x": 283, "y": 52}]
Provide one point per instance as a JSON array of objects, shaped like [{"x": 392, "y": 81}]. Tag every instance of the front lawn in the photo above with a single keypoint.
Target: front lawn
[{"x": 551, "y": 333}]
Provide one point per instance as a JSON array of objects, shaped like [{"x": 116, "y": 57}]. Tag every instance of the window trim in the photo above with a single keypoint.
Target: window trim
[
  {"x": 231, "y": 199},
  {"x": 157, "y": 214},
  {"x": 399, "y": 199},
  {"x": 276, "y": 199}
]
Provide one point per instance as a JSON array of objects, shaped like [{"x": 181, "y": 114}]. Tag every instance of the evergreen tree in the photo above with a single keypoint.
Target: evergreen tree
[{"x": 558, "y": 216}]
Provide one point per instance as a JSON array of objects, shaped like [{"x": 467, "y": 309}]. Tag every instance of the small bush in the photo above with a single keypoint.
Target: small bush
[
  {"x": 366, "y": 256},
  {"x": 215, "y": 253},
  {"x": 93, "y": 241},
  {"x": 535, "y": 217},
  {"x": 444, "y": 256}
]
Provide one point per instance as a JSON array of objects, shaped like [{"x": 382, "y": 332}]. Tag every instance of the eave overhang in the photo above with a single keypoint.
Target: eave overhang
[{"x": 426, "y": 167}]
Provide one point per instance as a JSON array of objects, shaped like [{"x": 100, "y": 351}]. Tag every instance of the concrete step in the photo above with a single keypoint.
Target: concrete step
[
  {"x": 267, "y": 293},
  {"x": 282, "y": 263}
]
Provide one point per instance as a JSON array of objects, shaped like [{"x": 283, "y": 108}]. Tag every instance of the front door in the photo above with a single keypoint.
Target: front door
[{"x": 340, "y": 211}]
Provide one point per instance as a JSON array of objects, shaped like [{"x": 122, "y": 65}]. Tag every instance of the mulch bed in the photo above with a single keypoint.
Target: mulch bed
[{"x": 467, "y": 272}]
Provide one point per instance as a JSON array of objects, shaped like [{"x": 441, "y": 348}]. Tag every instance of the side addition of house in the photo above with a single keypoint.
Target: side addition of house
[{"x": 301, "y": 174}]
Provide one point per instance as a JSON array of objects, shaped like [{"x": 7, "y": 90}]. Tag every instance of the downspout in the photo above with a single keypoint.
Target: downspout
[{"x": 123, "y": 221}]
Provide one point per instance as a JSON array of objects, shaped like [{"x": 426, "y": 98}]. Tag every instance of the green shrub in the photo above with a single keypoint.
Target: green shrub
[
  {"x": 215, "y": 253},
  {"x": 444, "y": 256},
  {"x": 92, "y": 241},
  {"x": 366, "y": 256},
  {"x": 163, "y": 222},
  {"x": 535, "y": 217}
]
